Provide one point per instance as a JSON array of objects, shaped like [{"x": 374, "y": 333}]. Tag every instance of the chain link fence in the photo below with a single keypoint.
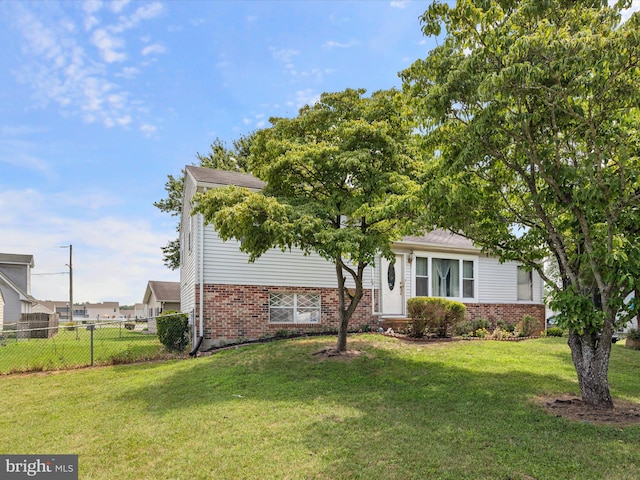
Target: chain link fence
[{"x": 78, "y": 344}]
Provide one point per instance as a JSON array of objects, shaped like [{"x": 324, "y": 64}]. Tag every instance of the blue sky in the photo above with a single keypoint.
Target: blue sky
[{"x": 100, "y": 101}]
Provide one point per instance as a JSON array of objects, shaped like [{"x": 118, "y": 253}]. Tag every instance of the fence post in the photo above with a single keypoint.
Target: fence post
[{"x": 91, "y": 328}]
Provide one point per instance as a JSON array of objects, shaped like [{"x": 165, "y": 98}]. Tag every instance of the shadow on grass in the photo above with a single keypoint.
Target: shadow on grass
[{"x": 388, "y": 414}]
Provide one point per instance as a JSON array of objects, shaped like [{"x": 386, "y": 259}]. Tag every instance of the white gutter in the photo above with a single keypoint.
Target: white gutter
[{"x": 201, "y": 273}]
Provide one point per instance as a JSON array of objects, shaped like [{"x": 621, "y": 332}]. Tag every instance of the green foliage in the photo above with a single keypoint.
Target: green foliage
[
  {"x": 478, "y": 324},
  {"x": 530, "y": 111},
  {"x": 438, "y": 315},
  {"x": 340, "y": 182},
  {"x": 481, "y": 333},
  {"x": 173, "y": 330},
  {"x": 220, "y": 157},
  {"x": 506, "y": 326},
  {"x": 554, "y": 332},
  {"x": 528, "y": 326}
]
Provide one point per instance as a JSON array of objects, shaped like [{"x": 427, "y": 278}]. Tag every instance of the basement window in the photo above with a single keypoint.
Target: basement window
[{"x": 294, "y": 308}]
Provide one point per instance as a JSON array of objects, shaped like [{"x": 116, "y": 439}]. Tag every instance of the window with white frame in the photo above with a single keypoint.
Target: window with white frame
[
  {"x": 294, "y": 308},
  {"x": 446, "y": 277},
  {"x": 422, "y": 277},
  {"x": 450, "y": 278},
  {"x": 525, "y": 284},
  {"x": 468, "y": 279}
]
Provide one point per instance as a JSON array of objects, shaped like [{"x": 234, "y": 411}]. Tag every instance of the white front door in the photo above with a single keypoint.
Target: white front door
[{"x": 392, "y": 285}]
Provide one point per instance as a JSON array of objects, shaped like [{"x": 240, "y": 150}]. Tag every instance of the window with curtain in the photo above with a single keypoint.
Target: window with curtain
[
  {"x": 446, "y": 277},
  {"x": 525, "y": 284}
]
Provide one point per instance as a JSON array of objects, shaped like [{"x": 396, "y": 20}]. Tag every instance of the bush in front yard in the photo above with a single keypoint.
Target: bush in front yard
[
  {"x": 554, "y": 332},
  {"x": 528, "y": 326},
  {"x": 437, "y": 315},
  {"x": 173, "y": 330}
]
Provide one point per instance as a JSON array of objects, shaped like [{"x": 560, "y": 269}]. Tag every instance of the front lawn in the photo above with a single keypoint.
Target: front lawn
[{"x": 458, "y": 410}]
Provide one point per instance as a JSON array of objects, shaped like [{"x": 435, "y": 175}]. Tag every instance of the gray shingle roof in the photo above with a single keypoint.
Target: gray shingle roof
[
  {"x": 441, "y": 238},
  {"x": 165, "y": 291},
  {"x": 224, "y": 177}
]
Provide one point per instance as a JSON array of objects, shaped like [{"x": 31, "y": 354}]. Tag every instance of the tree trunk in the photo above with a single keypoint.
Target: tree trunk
[
  {"x": 346, "y": 311},
  {"x": 590, "y": 356}
]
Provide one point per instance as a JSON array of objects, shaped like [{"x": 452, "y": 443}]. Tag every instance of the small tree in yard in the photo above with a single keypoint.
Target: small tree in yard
[
  {"x": 531, "y": 118},
  {"x": 339, "y": 183}
]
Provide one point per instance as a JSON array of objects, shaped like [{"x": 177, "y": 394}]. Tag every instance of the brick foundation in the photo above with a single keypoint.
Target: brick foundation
[
  {"x": 510, "y": 313},
  {"x": 241, "y": 312},
  {"x": 507, "y": 312}
]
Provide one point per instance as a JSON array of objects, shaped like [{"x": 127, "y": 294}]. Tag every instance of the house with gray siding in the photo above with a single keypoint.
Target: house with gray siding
[
  {"x": 15, "y": 287},
  {"x": 231, "y": 299}
]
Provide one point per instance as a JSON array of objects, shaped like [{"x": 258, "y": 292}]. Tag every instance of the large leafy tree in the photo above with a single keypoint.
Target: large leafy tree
[
  {"x": 339, "y": 182},
  {"x": 221, "y": 157},
  {"x": 530, "y": 114}
]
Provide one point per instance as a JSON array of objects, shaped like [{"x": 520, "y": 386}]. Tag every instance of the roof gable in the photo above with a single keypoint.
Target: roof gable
[
  {"x": 212, "y": 177},
  {"x": 16, "y": 259},
  {"x": 163, "y": 291}
]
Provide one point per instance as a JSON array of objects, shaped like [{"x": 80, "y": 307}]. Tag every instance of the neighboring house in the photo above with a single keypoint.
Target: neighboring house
[
  {"x": 102, "y": 310},
  {"x": 160, "y": 297},
  {"x": 232, "y": 299},
  {"x": 81, "y": 311},
  {"x": 15, "y": 287},
  {"x": 133, "y": 311}
]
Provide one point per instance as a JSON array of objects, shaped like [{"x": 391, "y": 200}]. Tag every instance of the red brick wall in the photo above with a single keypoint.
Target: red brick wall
[
  {"x": 241, "y": 312},
  {"x": 507, "y": 312},
  {"x": 233, "y": 312}
]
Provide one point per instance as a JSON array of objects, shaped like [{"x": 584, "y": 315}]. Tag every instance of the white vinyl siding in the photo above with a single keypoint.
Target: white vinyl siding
[
  {"x": 498, "y": 282},
  {"x": 189, "y": 226},
  {"x": 225, "y": 264}
]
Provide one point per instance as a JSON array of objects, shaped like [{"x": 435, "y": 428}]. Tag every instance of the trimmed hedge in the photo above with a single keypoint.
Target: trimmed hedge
[
  {"x": 435, "y": 315},
  {"x": 173, "y": 330}
]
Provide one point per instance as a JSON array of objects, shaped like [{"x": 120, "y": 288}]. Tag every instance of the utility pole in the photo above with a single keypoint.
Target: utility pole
[
  {"x": 70, "y": 283},
  {"x": 70, "y": 265}
]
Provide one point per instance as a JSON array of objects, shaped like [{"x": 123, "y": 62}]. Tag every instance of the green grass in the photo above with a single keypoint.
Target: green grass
[
  {"x": 460, "y": 410},
  {"x": 69, "y": 349}
]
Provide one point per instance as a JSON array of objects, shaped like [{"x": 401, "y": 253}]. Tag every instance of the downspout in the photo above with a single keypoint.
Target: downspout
[
  {"x": 201, "y": 273},
  {"x": 194, "y": 352}
]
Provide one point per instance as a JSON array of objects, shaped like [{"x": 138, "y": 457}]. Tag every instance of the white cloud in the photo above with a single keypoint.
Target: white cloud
[
  {"x": 155, "y": 48},
  {"x": 334, "y": 44},
  {"x": 118, "y": 5},
  {"x": 304, "y": 97},
  {"x": 92, "y": 6},
  {"x": 113, "y": 257},
  {"x": 108, "y": 45},
  {"x": 19, "y": 153},
  {"x": 83, "y": 81},
  {"x": 148, "y": 129},
  {"x": 399, "y": 4},
  {"x": 284, "y": 55},
  {"x": 129, "y": 73}
]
